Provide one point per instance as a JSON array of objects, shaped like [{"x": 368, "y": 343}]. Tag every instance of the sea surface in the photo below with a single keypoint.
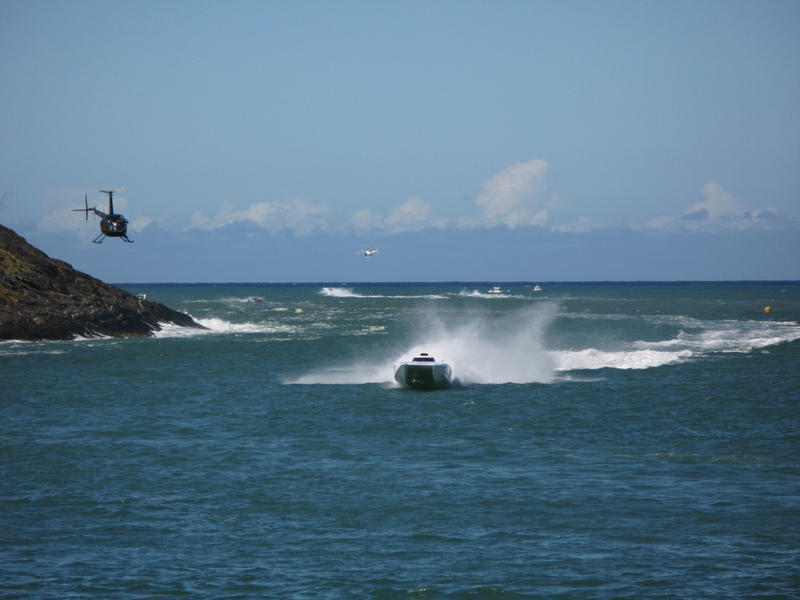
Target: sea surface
[{"x": 635, "y": 440}]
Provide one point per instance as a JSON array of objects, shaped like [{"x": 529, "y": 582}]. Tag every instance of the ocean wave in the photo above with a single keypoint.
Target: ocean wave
[
  {"x": 513, "y": 348},
  {"x": 336, "y": 292},
  {"x": 491, "y": 295},
  {"x": 593, "y": 359},
  {"x": 296, "y": 310},
  {"x": 372, "y": 330},
  {"x": 716, "y": 337},
  {"x": 730, "y": 336},
  {"x": 26, "y": 347},
  {"x": 215, "y": 325}
]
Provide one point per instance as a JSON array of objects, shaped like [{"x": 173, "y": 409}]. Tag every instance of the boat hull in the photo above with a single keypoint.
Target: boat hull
[{"x": 423, "y": 376}]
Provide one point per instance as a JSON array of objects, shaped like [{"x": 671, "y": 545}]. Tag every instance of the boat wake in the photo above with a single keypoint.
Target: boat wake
[
  {"x": 593, "y": 359},
  {"x": 483, "y": 349},
  {"x": 518, "y": 347},
  {"x": 340, "y": 292},
  {"x": 487, "y": 295}
]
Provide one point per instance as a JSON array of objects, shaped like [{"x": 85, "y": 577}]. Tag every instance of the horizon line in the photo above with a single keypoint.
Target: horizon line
[{"x": 473, "y": 282}]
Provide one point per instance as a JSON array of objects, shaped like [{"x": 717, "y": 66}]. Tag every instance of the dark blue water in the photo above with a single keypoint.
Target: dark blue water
[{"x": 604, "y": 441}]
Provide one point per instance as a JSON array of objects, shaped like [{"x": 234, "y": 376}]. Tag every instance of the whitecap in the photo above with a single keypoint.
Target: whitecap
[
  {"x": 729, "y": 336},
  {"x": 215, "y": 325},
  {"x": 335, "y": 292},
  {"x": 593, "y": 359},
  {"x": 492, "y": 295}
]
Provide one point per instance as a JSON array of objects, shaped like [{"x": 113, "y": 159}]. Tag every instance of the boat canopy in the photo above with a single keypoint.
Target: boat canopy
[{"x": 423, "y": 358}]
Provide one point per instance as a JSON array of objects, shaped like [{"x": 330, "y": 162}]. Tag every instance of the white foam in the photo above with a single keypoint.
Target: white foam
[
  {"x": 487, "y": 349},
  {"x": 715, "y": 337},
  {"x": 479, "y": 294},
  {"x": 26, "y": 347},
  {"x": 490, "y": 295},
  {"x": 335, "y": 292},
  {"x": 731, "y": 336},
  {"x": 216, "y": 325},
  {"x": 372, "y": 330},
  {"x": 592, "y": 359},
  {"x": 90, "y": 338},
  {"x": 482, "y": 349}
]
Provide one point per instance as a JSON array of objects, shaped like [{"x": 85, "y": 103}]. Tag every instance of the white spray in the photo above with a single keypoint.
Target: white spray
[
  {"x": 485, "y": 348},
  {"x": 480, "y": 348}
]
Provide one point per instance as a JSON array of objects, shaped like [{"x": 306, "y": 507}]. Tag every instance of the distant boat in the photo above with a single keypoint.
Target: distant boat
[
  {"x": 537, "y": 288},
  {"x": 423, "y": 372},
  {"x": 495, "y": 290}
]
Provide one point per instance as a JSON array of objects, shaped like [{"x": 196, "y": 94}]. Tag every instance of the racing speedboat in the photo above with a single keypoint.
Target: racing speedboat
[{"x": 423, "y": 372}]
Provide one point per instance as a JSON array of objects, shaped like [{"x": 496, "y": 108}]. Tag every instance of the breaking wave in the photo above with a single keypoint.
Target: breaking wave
[
  {"x": 489, "y": 295},
  {"x": 215, "y": 325},
  {"x": 591, "y": 359},
  {"x": 338, "y": 292},
  {"x": 335, "y": 292}
]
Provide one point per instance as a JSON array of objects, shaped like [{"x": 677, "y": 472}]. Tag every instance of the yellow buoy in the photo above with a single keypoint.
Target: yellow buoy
[{"x": 767, "y": 309}]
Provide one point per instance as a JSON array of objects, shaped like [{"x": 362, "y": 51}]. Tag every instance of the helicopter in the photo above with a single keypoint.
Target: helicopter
[
  {"x": 111, "y": 223},
  {"x": 368, "y": 252}
]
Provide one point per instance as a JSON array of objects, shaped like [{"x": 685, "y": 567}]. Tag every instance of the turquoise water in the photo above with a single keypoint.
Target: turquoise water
[{"x": 602, "y": 441}]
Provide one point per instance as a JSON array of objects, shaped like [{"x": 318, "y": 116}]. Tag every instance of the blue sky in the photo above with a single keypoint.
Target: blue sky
[{"x": 269, "y": 141}]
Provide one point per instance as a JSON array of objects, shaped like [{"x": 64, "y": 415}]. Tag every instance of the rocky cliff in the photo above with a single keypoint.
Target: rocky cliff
[{"x": 46, "y": 299}]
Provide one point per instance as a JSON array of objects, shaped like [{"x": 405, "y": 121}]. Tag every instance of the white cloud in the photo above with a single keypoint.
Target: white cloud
[
  {"x": 659, "y": 223},
  {"x": 720, "y": 210},
  {"x": 365, "y": 220},
  {"x": 718, "y": 203},
  {"x": 140, "y": 223},
  {"x": 412, "y": 215},
  {"x": 581, "y": 225},
  {"x": 299, "y": 215},
  {"x": 66, "y": 220},
  {"x": 514, "y": 196}
]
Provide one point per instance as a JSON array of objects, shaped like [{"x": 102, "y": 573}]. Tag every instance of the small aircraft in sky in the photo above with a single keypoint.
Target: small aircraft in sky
[
  {"x": 111, "y": 223},
  {"x": 368, "y": 252}
]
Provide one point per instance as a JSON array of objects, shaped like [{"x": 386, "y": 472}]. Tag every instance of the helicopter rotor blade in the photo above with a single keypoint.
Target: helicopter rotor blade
[
  {"x": 111, "y": 197},
  {"x": 85, "y": 208}
]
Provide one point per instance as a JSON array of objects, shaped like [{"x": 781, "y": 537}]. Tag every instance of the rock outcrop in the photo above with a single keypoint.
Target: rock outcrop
[{"x": 46, "y": 299}]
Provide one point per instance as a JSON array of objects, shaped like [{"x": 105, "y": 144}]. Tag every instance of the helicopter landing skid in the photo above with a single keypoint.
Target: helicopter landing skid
[{"x": 99, "y": 239}]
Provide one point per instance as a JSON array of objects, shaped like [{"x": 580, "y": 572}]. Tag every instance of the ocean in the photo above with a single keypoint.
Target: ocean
[{"x": 628, "y": 440}]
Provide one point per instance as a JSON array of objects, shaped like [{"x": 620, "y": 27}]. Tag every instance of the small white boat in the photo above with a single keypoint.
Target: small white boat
[
  {"x": 495, "y": 290},
  {"x": 537, "y": 288},
  {"x": 423, "y": 372}
]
